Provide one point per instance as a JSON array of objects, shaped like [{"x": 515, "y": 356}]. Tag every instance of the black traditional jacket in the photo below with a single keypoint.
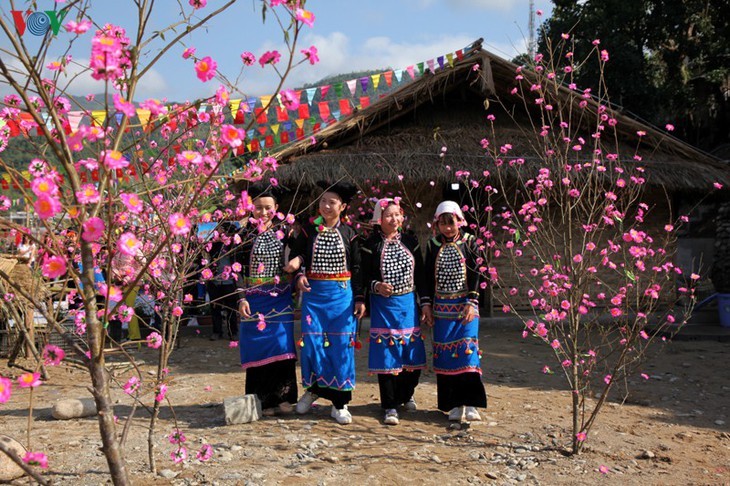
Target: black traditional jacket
[
  {"x": 398, "y": 262},
  {"x": 451, "y": 268}
]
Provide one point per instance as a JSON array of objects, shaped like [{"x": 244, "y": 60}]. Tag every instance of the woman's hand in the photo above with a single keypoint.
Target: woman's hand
[
  {"x": 427, "y": 315},
  {"x": 293, "y": 265},
  {"x": 244, "y": 308},
  {"x": 384, "y": 289},
  {"x": 470, "y": 312},
  {"x": 303, "y": 285},
  {"x": 359, "y": 309}
]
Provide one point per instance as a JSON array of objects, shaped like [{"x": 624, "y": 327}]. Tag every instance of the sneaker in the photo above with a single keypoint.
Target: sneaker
[
  {"x": 456, "y": 413},
  {"x": 342, "y": 415},
  {"x": 391, "y": 417},
  {"x": 410, "y": 405},
  {"x": 472, "y": 414},
  {"x": 305, "y": 403}
]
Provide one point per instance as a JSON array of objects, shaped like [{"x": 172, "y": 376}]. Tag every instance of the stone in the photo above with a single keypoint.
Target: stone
[
  {"x": 719, "y": 422},
  {"x": 491, "y": 475},
  {"x": 8, "y": 469},
  {"x": 168, "y": 473},
  {"x": 242, "y": 410},
  {"x": 72, "y": 408},
  {"x": 647, "y": 455}
]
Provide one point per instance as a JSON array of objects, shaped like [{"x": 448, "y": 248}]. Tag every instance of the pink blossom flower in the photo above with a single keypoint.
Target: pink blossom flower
[
  {"x": 132, "y": 202},
  {"x": 669, "y": 127},
  {"x": 37, "y": 459},
  {"x": 44, "y": 186},
  {"x": 232, "y": 136},
  {"x": 179, "y": 224},
  {"x": 311, "y": 55},
  {"x": 88, "y": 194},
  {"x": 78, "y": 27},
  {"x": 29, "y": 380},
  {"x": 607, "y": 379},
  {"x": 160, "y": 393},
  {"x": 124, "y": 106},
  {"x": 603, "y": 469},
  {"x": 206, "y": 274},
  {"x": 305, "y": 16},
  {"x": 580, "y": 436},
  {"x": 92, "y": 229},
  {"x": 53, "y": 355},
  {"x": 233, "y": 344},
  {"x": 604, "y": 55},
  {"x": 128, "y": 244},
  {"x": 154, "y": 340},
  {"x": 188, "y": 53},
  {"x": 546, "y": 370},
  {"x": 645, "y": 376},
  {"x": 205, "y": 452},
  {"x": 132, "y": 385},
  {"x": 269, "y": 57},
  {"x": 555, "y": 344},
  {"x": 717, "y": 185},
  {"x": 113, "y": 159},
  {"x": 196, "y": 4},
  {"x": 205, "y": 69},
  {"x": 6, "y": 389},
  {"x": 176, "y": 437},
  {"x": 47, "y": 207},
  {"x": 53, "y": 266},
  {"x": 289, "y": 99},
  {"x": 248, "y": 58},
  {"x": 181, "y": 453},
  {"x": 643, "y": 334}
]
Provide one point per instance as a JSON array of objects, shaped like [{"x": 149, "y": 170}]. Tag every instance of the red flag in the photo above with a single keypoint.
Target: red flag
[
  {"x": 95, "y": 175},
  {"x": 269, "y": 141},
  {"x": 304, "y": 111},
  {"x": 300, "y": 133},
  {"x": 4, "y": 184},
  {"x": 282, "y": 114},
  {"x": 240, "y": 118},
  {"x": 241, "y": 149},
  {"x": 345, "y": 107},
  {"x": 261, "y": 117},
  {"x": 255, "y": 145},
  {"x": 388, "y": 77},
  {"x": 284, "y": 137},
  {"x": 364, "y": 101},
  {"x": 14, "y": 128},
  {"x": 324, "y": 110}
]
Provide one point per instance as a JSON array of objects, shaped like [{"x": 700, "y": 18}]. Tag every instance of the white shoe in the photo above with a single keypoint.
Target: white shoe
[
  {"x": 391, "y": 417},
  {"x": 410, "y": 405},
  {"x": 305, "y": 403},
  {"x": 456, "y": 413},
  {"x": 472, "y": 414},
  {"x": 342, "y": 415}
]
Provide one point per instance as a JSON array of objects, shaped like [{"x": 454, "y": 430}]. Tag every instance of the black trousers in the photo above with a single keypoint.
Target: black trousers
[
  {"x": 464, "y": 389},
  {"x": 395, "y": 390},
  {"x": 224, "y": 297},
  {"x": 339, "y": 398},
  {"x": 273, "y": 383}
]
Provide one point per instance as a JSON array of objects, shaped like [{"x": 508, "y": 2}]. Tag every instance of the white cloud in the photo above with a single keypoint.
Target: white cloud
[{"x": 504, "y": 5}]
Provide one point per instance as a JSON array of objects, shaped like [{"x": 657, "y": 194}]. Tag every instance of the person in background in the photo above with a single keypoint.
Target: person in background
[
  {"x": 452, "y": 285},
  {"x": 393, "y": 271},
  {"x": 266, "y": 329},
  {"x": 222, "y": 287},
  {"x": 332, "y": 302}
]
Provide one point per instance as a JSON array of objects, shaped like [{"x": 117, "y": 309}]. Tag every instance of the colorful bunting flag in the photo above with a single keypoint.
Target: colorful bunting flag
[{"x": 352, "y": 85}]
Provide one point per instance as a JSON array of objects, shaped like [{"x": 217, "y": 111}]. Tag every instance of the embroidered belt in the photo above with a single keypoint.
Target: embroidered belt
[
  {"x": 405, "y": 291},
  {"x": 253, "y": 281},
  {"x": 329, "y": 276}
]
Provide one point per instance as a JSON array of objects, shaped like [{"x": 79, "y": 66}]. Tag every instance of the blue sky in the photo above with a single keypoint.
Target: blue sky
[{"x": 350, "y": 36}]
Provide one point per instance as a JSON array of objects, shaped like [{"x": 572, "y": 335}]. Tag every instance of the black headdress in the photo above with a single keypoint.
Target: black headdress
[
  {"x": 263, "y": 189},
  {"x": 345, "y": 190}
]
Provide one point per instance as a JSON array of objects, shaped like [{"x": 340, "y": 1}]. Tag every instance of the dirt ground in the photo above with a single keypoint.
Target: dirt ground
[{"x": 672, "y": 429}]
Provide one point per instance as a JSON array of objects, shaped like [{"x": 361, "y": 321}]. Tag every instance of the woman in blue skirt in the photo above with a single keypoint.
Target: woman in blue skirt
[
  {"x": 393, "y": 270},
  {"x": 332, "y": 303},
  {"x": 266, "y": 330},
  {"x": 452, "y": 283}
]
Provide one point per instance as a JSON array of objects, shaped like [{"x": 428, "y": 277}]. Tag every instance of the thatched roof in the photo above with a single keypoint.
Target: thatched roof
[{"x": 402, "y": 133}]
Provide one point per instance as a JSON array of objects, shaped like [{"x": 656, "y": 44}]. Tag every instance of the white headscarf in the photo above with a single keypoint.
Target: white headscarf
[
  {"x": 379, "y": 207},
  {"x": 448, "y": 207}
]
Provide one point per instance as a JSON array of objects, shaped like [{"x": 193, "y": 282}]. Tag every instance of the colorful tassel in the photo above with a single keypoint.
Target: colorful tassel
[
  {"x": 301, "y": 343},
  {"x": 326, "y": 341}
]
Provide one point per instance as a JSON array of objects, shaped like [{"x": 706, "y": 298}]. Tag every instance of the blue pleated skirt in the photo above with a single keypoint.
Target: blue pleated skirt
[
  {"x": 455, "y": 345},
  {"x": 396, "y": 341},
  {"x": 328, "y": 335},
  {"x": 274, "y": 340}
]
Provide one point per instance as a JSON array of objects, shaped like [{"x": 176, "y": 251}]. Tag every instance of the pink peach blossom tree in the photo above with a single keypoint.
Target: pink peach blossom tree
[{"x": 121, "y": 198}]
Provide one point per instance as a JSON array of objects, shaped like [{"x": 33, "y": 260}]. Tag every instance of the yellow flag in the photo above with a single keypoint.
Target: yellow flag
[
  {"x": 235, "y": 104},
  {"x": 99, "y": 116},
  {"x": 275, "y": 128},
  {"x": 144, "y": 116},
  {"x": 376, "y": 80},
  {"x": 265, "y": 100}
]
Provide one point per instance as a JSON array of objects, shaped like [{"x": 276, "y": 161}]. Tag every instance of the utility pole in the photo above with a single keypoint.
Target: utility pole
[{"x": 531, "y": 45}]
